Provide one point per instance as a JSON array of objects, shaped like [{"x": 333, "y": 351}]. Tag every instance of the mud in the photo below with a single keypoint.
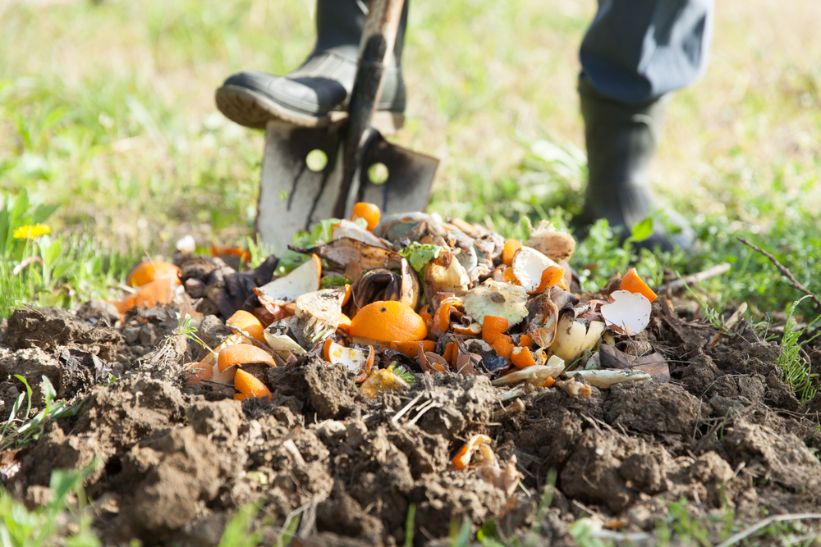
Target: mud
[{"x": 170, "y": 463}]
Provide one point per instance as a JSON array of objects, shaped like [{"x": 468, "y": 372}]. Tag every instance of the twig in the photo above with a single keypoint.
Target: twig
[
  {"x": 697, "y": 277},
  {"x": 404, "y": 410},
  {"x": 747, "y": 532},
  {"x": 421, "y": 411},
  {"x": 784, "y": 271}
]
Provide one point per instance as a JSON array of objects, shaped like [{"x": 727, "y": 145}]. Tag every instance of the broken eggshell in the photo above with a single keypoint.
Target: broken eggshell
[
  {"x": 627, "y": 313},
  {"x": 528, "y": 266},
  {"x": 445, "y": 274}
]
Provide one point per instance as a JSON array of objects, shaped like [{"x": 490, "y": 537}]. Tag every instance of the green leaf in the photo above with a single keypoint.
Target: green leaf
[
  {"x": 333, "y": 281},
  {"x": 419, "y": 254},
  {"x": 641, "y": 231}
]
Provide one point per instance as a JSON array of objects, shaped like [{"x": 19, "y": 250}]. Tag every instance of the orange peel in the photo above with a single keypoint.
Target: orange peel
[
  {"x": 249, "y": 386},
  {"x": 247, "y": 323},
  {"x": 152, "y": 270},
  {"x": 367, "y": 211},
  {"x": 634, "y": 283},
  {"x": 462, "y": 458},
  {"x": 388, "y": 321}
]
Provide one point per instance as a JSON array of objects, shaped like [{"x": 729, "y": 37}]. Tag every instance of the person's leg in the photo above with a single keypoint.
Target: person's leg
[
  {"x": 634, "y": 53},
  {"x": 318, "y": 89}
]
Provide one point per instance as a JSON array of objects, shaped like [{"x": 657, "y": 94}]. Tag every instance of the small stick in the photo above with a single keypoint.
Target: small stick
[
  {"x": 784, "y": 271},
  {"x": 697, "y": 277},
  {"x": 422, "y": 409},
  {"x": 405, "y": 409},
  {"x": 747, "y": 532}
]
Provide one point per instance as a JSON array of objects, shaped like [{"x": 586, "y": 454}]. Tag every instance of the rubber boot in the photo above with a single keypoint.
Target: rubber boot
[
  {"x": 621, "y": 141},
  {"x": 316, "y": 93}
]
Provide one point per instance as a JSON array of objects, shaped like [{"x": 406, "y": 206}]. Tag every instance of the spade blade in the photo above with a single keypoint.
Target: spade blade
[
  {"x": 409, "y": 176},
  {"x": 292, "y": 195}
]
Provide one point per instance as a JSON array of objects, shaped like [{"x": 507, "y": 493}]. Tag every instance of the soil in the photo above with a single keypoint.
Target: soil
[{"x": 174, "y": 462}]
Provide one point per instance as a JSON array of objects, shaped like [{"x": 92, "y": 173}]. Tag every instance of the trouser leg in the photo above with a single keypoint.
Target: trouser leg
[{"x": 634, "y": 53}]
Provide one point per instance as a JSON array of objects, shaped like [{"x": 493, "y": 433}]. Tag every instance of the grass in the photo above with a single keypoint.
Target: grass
[
  {"x": 794, "y": 361},
  {"x": 21, "y": 427},
  {"x": 62, "y": 520},
  {"x": 109, "y": 117}
]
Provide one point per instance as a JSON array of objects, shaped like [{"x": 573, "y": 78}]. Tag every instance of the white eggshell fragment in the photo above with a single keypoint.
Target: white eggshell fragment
[
  {"x": 528, "y": 266},
  {"x": 627, "y": 313},
  {"x": 299, "y": 281}
]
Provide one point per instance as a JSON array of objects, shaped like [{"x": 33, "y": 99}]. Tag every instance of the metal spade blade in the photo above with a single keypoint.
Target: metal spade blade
[{"x": 292, "y": 196}]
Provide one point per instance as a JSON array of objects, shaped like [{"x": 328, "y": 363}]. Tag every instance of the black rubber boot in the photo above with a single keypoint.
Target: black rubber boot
[
  {"x": 621, "y": 141},
  {"x": 316, "y": 93}
]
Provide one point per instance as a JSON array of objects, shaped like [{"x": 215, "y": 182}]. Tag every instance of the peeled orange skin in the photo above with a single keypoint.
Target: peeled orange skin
[
  {"x": 249, "y": 386},
  {"x": 151, "y": 270},
  {"x": 388, "y": 321},
  {"x": 154, "y": 293},
  {"x": 633, "y": 283},
  {"x": 368, "y": 211},
  {"x": 509, "y": 249},
  {"x": 522, "y": 357},
  {"x": 243, "y": 354},
  {"x": 248, "y": 323}
]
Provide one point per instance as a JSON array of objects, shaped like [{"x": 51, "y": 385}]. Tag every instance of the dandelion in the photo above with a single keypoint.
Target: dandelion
[{"x": 31, "y": 231}]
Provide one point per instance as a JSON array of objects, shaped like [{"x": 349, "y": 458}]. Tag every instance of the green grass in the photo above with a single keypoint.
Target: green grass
[
  {"x": 62, "y": 269},
  {"x": 794, "y": 361},
  {"x": 109, "y": 117},
  {"x": 63, "y": 520},
  {"x": 21, "y": 426}
]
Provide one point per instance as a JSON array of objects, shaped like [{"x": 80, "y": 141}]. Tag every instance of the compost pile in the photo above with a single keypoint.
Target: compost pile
[{"x": 404, "y": 375}]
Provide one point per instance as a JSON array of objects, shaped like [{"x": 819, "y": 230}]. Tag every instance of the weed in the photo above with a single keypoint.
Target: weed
[
  {"x": 238, "y": 532},
  {"x": 289, "y": 530},
  {"x": 792, "y": 360},
  {"x": 22, "y": 428},
  {"x": 410, "y": 522},
  {"x": 38, "y": 268},
  {"x": 62, "y": 521}
]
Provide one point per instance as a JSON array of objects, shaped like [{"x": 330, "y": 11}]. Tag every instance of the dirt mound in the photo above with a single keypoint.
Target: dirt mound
[{"x": 174, "y": 462}]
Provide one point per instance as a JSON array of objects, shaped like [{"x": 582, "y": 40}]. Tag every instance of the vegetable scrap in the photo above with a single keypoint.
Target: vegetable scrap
[{"x": 387, "y": 297}]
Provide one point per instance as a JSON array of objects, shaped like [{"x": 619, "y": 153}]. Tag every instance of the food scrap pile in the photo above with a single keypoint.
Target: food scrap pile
[
  {"x": 410, "y": 293},
  {"x": 402, "y": 376}
]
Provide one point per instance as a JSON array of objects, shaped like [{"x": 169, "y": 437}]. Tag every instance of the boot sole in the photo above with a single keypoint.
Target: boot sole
[{"x": 251, "y": 109}]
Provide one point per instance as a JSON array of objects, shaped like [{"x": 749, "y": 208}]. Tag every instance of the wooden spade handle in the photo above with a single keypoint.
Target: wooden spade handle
[{"x": 377, "y": 44}]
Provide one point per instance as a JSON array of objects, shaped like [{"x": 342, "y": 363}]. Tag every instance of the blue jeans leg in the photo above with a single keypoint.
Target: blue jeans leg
[{"x": 636, "y": 51}]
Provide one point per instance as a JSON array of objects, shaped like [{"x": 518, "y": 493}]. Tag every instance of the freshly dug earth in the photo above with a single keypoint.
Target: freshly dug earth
[{"x": 175, "y": 461}]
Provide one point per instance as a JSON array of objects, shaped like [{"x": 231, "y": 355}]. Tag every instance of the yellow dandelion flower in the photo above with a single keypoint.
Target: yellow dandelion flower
[{"x": 31, "y": 231}]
